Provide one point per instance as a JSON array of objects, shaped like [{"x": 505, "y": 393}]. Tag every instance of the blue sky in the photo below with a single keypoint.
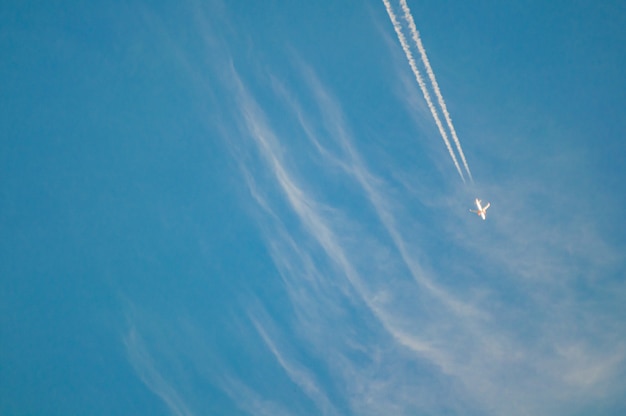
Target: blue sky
[{"x": 240, "y": 208}]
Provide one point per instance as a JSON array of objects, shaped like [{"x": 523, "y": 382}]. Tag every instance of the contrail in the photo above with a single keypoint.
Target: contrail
[
  {"x": 433, "y": 80},
  {"x": 420, "y": 81}
]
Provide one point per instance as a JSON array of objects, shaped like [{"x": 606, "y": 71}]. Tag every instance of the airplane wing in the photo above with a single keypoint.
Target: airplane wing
[{"x": 482, "y": 211}]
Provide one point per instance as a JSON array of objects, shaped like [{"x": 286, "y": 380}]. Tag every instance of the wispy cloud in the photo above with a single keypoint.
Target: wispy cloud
[
  {"x": 370, "y": 186},
  {"x": 465, "y": 340},
  {"x": 251, "y": 401},
  {"x": 148, "y": 371},
  {"x": 389, "y": 311},
  {"x": 315, "y": 218},
  {"x": 297, "y": 372}
]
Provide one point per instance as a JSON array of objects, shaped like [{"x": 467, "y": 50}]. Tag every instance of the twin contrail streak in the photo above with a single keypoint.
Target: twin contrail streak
[
  {"x": 433, "y": 81},
  {"x": 420, "y": 81}
]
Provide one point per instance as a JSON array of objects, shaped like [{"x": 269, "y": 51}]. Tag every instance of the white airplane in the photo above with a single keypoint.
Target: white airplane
[{"x": 481, "y": 211}]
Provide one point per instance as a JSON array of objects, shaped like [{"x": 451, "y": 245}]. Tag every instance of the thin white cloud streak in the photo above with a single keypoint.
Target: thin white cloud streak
[
  {"x": 432, "y": 348},
  {"x": 488, "y": 352},
  {"x": 298, "y": 374},
  {"x": 250, "y": 401},
  {"x": 503, "y": 371},
  {"x": 357, "y": 169},
  {"x": 144, "y": 366},
  {"x": 307, "y": 210},
  {"x": 409, "y": 56},
  {"x": 310, "y": 213},
  {"x": 431, "y": 75}
]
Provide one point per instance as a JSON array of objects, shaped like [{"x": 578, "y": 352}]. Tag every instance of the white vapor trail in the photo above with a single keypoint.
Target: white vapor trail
[
  {"x": 420, "y": 81},
  {"x": 433, "y": 80}
]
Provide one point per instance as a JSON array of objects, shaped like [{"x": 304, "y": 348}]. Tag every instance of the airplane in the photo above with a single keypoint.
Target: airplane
[{"x": 481, "y": 211}]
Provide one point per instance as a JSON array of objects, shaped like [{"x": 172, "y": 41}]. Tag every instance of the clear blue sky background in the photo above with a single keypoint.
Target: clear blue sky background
[{"x": 233, "y": 208}]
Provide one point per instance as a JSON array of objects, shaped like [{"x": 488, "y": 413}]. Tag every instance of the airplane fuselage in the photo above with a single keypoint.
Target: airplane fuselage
[{"x": 481, "y": 212}]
